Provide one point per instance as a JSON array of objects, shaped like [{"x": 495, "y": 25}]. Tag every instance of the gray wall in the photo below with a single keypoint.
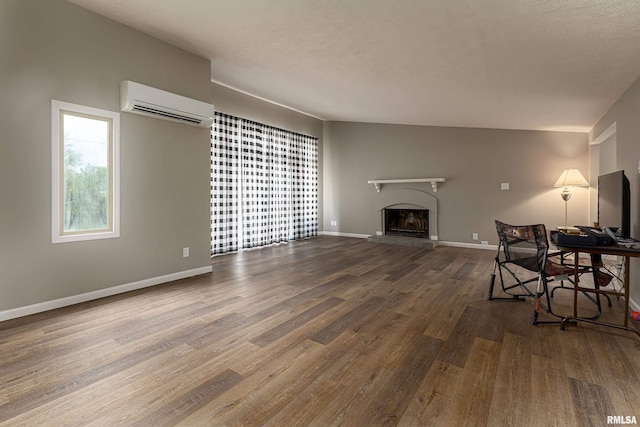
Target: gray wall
[
  {"x": 51, "y": 49},
  {"x": 473, "y": 161},
  {"x": 239, "y": 104},
  {"x": 625, "y": 114}
]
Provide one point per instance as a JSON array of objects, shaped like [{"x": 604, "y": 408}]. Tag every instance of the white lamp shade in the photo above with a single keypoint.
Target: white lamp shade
[{"x": 571, "y": 178}]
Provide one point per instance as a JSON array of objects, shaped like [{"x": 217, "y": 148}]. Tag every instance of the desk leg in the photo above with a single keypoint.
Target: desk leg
[
  {"x": 626, "y": 291},
  {"x": 576, "y": 278},
  {"x": 574, "y": 319}
]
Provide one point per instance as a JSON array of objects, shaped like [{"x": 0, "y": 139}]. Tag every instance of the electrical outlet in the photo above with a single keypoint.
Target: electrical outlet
[
  {"x": 185, "y": 252},
  {"x": 474, "y": 236},
  {"x": 334, "y": 223},
  {"x": 504, "y": 185},
  {"x": 484, "y": 242}
]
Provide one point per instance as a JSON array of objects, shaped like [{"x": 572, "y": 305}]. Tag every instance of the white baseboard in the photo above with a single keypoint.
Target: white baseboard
[
  {"x": 337, "y": 233},
  {"x": 89, "y": 296},
  {"x": 468, "y": 245}
]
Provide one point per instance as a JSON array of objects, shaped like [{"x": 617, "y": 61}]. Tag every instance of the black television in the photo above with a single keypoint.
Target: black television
[{"x": 614, "y": 207}]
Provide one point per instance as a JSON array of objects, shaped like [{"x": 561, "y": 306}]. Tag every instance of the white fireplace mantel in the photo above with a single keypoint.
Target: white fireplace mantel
[{"x": 377, "y": 183}]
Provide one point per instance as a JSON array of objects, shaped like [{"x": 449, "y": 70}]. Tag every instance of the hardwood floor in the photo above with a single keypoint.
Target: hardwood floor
[{"x": 328, "y": 331}]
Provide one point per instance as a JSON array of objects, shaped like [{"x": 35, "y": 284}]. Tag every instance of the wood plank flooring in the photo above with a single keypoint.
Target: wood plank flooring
[{"x": 330, "y": 331}]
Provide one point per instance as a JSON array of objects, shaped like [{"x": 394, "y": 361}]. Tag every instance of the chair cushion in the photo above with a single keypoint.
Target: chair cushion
[
  {"x": 552, "y": 269},
  {"x": 555, "y": 269}
]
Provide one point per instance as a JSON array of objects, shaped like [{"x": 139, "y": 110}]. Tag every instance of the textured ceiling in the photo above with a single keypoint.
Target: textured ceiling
[{"x": 513, "y": 64}]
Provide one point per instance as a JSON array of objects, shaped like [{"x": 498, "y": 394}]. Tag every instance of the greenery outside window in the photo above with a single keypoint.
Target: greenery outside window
[{"x": 85, "y": 166}]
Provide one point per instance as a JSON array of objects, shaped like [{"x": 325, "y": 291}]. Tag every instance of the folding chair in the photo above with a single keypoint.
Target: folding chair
[{"x": 525, "y": 249}]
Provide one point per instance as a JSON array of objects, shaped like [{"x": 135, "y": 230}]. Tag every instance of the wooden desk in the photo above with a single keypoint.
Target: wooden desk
[{"x": 627, "y": 254}]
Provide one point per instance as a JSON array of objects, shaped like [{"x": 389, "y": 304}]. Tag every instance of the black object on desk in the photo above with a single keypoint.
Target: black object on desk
[
  {"x": 573, "y": 239},
  {"x": 588, "y": 237}
]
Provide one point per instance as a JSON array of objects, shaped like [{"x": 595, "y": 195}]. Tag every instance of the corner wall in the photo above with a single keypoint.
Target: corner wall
[{"x": 52, "y": 49}]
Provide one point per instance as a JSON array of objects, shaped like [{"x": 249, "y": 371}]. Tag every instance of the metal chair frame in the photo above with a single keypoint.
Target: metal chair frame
[{"x": 527, "y": 246}]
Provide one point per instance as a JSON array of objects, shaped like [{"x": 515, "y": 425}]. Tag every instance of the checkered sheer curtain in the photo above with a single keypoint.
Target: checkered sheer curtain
[
  {"x": 225, "y": 183},
  {"x": 263, "y": 185}
]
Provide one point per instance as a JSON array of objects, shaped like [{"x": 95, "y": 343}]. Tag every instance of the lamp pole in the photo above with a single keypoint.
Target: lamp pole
[{"x": 566, "y": 195}]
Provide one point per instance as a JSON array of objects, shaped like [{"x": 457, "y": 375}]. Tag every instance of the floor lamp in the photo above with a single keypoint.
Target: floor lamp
[{"x": 569, "y": 178}]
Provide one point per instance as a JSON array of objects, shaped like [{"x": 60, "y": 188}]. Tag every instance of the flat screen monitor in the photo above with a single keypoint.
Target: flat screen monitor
[{"x": 614, "y": 207}]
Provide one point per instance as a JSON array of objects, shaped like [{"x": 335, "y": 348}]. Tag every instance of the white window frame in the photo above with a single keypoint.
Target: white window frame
[{"x": 57, "y": 168}]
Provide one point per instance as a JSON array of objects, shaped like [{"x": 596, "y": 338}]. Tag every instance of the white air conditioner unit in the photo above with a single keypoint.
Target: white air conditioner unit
[{"x": 148, "y": 101}]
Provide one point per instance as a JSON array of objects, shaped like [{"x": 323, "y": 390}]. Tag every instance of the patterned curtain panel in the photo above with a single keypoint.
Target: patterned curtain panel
[
  {"x": 304, "y": 185},
  {"x": 310, "y": 148},
  {"x": 274, "y": 193},
  {"x": 254, "y": 186},
  {"x": 225, "y": 180},
  {"x": 279, "y": 186}
]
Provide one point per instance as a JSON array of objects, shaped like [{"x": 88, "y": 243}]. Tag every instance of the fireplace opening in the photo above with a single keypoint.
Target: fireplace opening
[{"x": 407, "y": 222}]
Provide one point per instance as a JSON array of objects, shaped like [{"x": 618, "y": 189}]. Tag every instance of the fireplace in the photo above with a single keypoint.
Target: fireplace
[
  {"x": 406, "y": 222},
  {"x": 408, "y": 216}
]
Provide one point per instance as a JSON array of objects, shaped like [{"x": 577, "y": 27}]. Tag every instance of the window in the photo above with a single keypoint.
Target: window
[{"x": 85, "y": 160}]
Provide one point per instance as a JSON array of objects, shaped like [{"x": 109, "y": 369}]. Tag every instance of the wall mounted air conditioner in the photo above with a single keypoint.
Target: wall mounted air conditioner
[{"x": 148, "y": 101}]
